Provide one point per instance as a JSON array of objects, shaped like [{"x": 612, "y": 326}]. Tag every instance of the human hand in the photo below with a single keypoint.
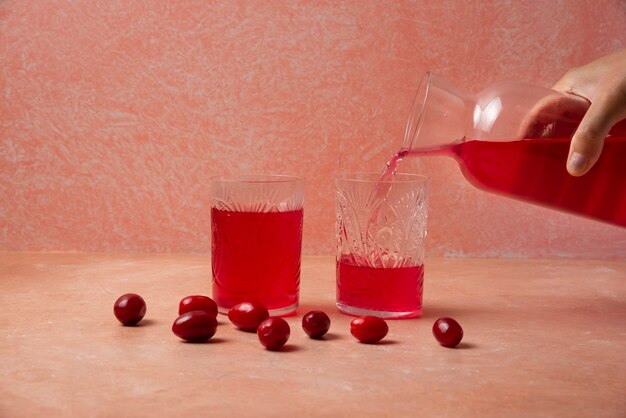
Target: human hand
[{"x": 603, "y": 84}]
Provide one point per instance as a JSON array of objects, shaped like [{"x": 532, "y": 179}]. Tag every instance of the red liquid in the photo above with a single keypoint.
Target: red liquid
[
  {"x": 256, "y": 257},
  {"x": 534, "y": 170},
  {"x": 397, "y": 291}
]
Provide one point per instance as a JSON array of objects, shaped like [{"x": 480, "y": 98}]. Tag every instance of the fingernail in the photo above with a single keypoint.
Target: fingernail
[{"x": 576, "y": 162}]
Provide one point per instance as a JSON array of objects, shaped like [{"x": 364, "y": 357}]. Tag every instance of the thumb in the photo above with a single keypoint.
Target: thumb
[{"x": 588, "y": 139}]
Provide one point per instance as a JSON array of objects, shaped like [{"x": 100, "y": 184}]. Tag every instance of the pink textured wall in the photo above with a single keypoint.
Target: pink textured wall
[{"x": 114, "y": 114}]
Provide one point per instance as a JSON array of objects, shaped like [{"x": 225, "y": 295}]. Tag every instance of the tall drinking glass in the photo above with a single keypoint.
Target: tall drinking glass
[
  {"x": 256, "y": 231},
  {"x": 380, "y": 229}
]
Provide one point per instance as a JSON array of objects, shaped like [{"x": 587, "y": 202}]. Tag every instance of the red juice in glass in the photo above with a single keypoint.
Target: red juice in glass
[
  {"x": 256, "y": 257},
  {"x": 396, "y": 290}
]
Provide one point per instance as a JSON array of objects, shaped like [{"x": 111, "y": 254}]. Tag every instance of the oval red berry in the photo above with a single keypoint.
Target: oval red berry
[
  {"x": 448, "y": 332},
  {"x": 369, "y": 329},
  {"x": 197, "y": 303},
  {"x": 129, "y": 309},
  {"x": 248, "y": 316},
  {"x": 273, "y": 333},
  {"x": 316, "y": 324},
  {"x": 195, "y": 326}
]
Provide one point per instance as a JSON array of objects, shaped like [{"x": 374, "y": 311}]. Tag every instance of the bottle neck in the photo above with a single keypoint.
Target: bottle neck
[{"x": 440, "y": 117}]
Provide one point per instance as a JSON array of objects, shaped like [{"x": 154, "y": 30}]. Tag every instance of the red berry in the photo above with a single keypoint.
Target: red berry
[
  {"x": 197, "y": 303},
  {"x": 273, "y": 333},
  {"x": 195, "y": 326},
  {"x": 248, "y": 316},
  {"x": 448, "y": 332},
  {"x": 315, "y": 324},
  {"x": 369, "y": 329},
  {"x": 129, "y": 309}
]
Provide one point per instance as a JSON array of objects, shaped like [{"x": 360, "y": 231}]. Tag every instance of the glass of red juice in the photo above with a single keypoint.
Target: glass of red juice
[
  {"x": 256, "y": 241},
  {"x": 380, "y": 230}
]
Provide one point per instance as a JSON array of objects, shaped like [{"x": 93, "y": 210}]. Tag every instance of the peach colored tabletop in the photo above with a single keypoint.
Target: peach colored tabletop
[{"x": 542, "y": 338}]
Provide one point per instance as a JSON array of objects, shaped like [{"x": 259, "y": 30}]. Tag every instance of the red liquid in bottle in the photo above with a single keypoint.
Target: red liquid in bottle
[
  {"x": 534, "y": 170},
  {"x": 256, "y": 257}
]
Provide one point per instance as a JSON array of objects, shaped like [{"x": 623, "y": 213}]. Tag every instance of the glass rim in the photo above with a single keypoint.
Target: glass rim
[
  {"x": 256, "y": 178},
  {"x": 375, "y": 177}
]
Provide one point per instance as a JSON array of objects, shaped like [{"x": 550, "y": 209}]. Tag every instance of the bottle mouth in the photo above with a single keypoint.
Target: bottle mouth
[{"x": 416, "y": 116}]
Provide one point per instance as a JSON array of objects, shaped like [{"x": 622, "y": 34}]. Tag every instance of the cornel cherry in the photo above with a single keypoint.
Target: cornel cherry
[
  {"x": 448, "y": 332},
  {"x": 315, "y": 324},
  {"x": 369, "y": 329},
  {"x": 273, "y": 333},
  {"x": 129, "y": 309},
  {"x": 197, "y": 303},
  {"x": 248, "y": 316},
  {"x": 195, "y": 326}
]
